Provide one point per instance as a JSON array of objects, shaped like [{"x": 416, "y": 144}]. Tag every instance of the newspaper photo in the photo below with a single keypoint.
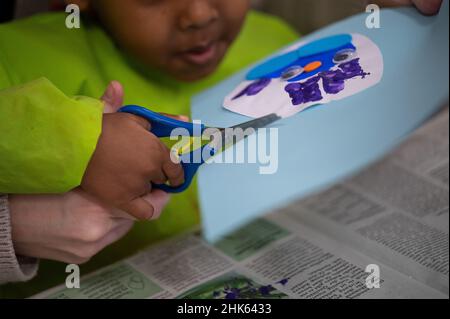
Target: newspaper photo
[{"x": 383, "y": 233}]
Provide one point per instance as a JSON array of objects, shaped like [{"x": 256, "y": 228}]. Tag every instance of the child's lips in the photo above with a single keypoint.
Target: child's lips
[{"x": 201, "y": 55}]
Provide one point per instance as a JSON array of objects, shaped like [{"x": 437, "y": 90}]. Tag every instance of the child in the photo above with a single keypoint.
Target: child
[{"x": 156, "y": 49}]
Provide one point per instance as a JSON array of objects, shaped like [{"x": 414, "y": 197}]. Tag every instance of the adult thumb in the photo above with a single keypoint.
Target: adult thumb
[
  {"x": 113, "y": 97},
  {"x": 139, "y": 208}
]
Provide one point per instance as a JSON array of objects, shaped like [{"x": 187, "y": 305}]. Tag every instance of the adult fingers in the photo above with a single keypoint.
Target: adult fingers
[
  {"x": 159, "y": 200},
  {"x": 139, "y": 208},
  {"x": 428, "y": 7}
]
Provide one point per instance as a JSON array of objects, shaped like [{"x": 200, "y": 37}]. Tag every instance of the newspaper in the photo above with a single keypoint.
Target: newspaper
[{"x": 381, "y": 234}]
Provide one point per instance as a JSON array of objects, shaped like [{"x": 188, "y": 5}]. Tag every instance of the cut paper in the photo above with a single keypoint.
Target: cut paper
[
  {"x": 309, "y": 73},
  {"x": 321, "y": 146}
]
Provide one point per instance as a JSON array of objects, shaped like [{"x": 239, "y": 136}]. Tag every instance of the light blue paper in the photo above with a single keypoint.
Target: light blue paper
[{"x": 321, "y": 146}]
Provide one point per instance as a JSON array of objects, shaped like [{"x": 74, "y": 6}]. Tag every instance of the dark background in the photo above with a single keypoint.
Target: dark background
[{"x": 6, "y": 10}]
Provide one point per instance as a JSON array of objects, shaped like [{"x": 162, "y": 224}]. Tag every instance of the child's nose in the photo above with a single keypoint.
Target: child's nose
[{"x": 198, "y": 14}]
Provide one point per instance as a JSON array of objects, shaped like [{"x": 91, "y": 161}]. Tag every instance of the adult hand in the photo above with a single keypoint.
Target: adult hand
[
  {"x": 428, "y": 7},
  {"x": 70, "y": 228}
]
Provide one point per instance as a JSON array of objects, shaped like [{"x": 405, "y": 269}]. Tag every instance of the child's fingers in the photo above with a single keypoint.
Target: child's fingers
[
  {"x": 174, "y": 173},
  {"x": 139, "y": 208},
  {"x": 158, "y": 177},
  {"x": 139, "y": 120},
  {"x": 113, "y": 97}
]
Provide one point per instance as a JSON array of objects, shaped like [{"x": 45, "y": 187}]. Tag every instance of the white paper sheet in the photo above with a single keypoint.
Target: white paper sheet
[{"x": 274, "y": 98}]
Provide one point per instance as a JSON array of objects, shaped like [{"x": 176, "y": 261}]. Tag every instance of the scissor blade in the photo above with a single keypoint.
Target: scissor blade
[
  {"x": 258, "y": 123},
  {"x": 237, "y": 133}
]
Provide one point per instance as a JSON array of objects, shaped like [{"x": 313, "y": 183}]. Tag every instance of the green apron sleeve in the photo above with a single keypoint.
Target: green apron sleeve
[{"x": 46, "y": 138}]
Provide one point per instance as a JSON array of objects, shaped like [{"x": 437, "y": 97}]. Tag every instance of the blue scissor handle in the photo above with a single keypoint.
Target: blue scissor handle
[{"x": 163, "y": 126}]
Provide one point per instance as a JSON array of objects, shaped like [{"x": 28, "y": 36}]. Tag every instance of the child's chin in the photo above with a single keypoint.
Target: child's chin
[{"x": 194, "y": 75}]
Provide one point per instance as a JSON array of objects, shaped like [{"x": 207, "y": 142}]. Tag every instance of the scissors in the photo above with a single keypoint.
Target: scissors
[{"x": 163, "y": 126}]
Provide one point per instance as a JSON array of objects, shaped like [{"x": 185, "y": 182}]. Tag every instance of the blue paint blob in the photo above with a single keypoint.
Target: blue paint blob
[
  {"x": 275, "y": 64},
  {"x": 319, "y": 50},
  {"x": 325, "y": 44}
]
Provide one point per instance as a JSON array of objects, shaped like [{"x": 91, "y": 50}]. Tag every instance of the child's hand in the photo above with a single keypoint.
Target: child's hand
[
  {"x": 70, "y": 228},
  {"x": 127, "y": 159}
]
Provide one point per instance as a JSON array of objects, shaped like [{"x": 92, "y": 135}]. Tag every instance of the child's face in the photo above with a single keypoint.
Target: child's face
[{"x": 185, "y": 38}]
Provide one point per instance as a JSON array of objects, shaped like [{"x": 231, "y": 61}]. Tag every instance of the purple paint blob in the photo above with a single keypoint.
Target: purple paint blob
[
  {"x": 353, "y": 69},
  {"x": 283, "y": 282},
  {"x": 308, "y": 91},
  {"x": 231, "y": 296},
  {"x": 254, "y": 88},
  {"x": 333, "y": 83},
  {"x": 265, "y": 290}
]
